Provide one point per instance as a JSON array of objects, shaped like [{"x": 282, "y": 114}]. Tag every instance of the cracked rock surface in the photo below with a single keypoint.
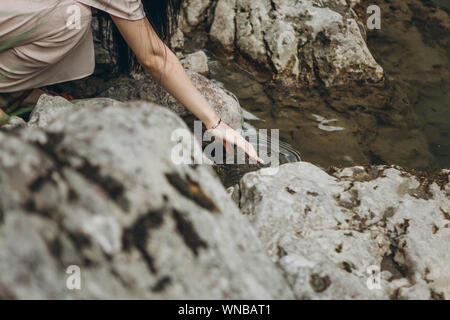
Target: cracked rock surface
[
  {"x": 93, "y": 185},
  {"x": 222, "y": 101},
  {"x": 330, "y": 231},
  {"x": 301, "y": 41},
  {"x": 124, "y": 88}
]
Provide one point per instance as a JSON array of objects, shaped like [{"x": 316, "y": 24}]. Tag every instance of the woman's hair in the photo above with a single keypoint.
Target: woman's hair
[{"x": 163, "y": 16}]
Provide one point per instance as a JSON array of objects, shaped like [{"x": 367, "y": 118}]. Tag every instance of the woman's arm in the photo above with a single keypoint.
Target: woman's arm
[{"x": 163, "y": 65}]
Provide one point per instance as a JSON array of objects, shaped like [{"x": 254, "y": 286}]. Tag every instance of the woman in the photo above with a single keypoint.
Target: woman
[{"x": 43, "y": 42}]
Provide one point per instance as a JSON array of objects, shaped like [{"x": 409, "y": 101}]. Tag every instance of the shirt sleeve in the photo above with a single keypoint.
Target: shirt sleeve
[{"x": 125, "y": 9}]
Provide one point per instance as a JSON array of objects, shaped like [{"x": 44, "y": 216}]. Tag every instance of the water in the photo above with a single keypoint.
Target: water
[
  {"x": 404, "y": 122},
  {"x": 443, "y": 3}
]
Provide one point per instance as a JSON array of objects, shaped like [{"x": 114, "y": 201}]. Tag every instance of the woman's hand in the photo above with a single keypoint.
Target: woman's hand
[
  {"x": 163, "y": 65},
  {"x": 230, "y": 137}
]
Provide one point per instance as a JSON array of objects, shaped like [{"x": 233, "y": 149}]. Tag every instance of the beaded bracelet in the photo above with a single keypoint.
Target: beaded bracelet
[{"x": 217, "y": 125}]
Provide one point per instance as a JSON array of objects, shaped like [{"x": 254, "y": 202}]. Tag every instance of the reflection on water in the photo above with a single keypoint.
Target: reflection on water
[
  {"x": 415, "y": 49},
  {"x": 443, "y": 3},
  {"x": 404, "y": 121}
]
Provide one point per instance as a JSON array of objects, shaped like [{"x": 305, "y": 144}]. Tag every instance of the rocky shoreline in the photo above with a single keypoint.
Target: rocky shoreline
[
  {"x": 92, "y": 183},
  {"x": 302, "y": 43}
]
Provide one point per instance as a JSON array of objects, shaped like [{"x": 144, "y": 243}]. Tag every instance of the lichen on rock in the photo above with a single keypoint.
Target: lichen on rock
[
  {"x": 301, "y": 42},
  {"x": 94, "y": 186},
  {"x": 326, "y": 231}
]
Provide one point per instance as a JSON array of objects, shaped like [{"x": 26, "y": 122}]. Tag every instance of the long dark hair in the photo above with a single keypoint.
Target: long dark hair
[{"x": 163, "y": 16}]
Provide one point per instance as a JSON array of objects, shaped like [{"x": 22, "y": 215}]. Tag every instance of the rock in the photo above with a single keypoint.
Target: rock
[
  {"x": 195, "y": 13},
  {"x": 177, "y": 42},
  {"x": 48, "y": 108},
  {"x": 107, "y": 53},
  {"x": 224, "y": 103},
  {"x": 196, "y": 62},
  {"x": 97, "y": 188},
  {"x": 300, "y": 42},
  {"x": 329, "y": 232},
  {"x": 14, "y": 122},
  {"x": 223, "y": 28}
]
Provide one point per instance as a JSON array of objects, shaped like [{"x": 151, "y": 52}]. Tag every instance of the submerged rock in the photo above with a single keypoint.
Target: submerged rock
[
  {"x": 330, "y": 232},
  {"x": 96, "y": 189}
]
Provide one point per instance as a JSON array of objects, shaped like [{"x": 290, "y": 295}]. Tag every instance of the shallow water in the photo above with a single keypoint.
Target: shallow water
[
  {"x": 404, "y": 121},
  {"x": 443, "y": 3}
]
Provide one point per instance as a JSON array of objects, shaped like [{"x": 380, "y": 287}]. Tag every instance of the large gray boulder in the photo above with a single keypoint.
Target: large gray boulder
[
  {"x": 223, "y": 102},
  {"x": 48, "y": 108},
  {"x": 95, "y": 187},
  {"x": 330, "y": 232},
  {"x": 301, "y": 41}
]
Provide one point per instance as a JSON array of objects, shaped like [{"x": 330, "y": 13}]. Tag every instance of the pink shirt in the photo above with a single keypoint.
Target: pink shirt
[
  {"x": 126, "y": 9},
  {"x": 51, "y": 52}
]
